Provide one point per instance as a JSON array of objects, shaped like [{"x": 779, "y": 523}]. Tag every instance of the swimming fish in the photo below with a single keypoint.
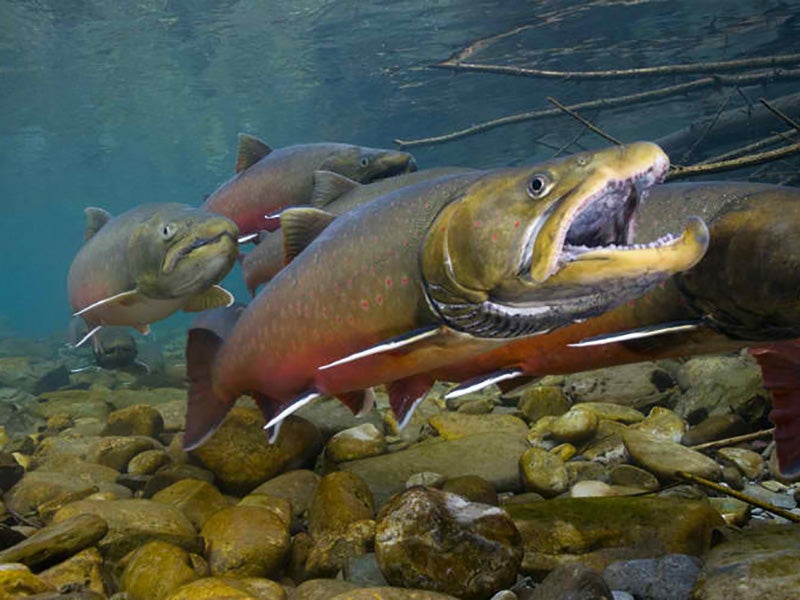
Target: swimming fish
[
  {"x": 337, "y": 195},
  {"x": 492, "y": 254},
  {"x": 267, "y": 180},
  {"x": 147, "y": 263},
  {"x": 745, "y": 292}
]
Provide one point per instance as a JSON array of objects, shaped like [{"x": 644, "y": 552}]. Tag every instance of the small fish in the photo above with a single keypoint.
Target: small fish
[
  {"x": 149, "y": 262},
  {"x": 743, "y": 293},
  {"x": 336, "y": 195},
  {"x": 487, "y": 255},
  {"x": 268, "y": 180}
]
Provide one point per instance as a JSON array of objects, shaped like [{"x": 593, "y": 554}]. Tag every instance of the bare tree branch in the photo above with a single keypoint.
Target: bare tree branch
[
  {"x": 730, "y": 165},
  {"x": 579, "y": 118}
]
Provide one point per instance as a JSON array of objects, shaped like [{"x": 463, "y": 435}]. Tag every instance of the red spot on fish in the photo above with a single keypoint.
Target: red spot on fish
[
  {"x": 494, "y": 237},
  {"x": 388, "y": 282},
  {"x": 405, "y": 241},
  {"x": 444, "y": 228},
  {"x": 351, "y": 320},
  {"x": 477, "y": 223},
  {"x": 364, "y": 304},
  {"x": 516, "y": 224},
  {"x": 404, "y": 280},
  {"x": 379, "y": 300}
]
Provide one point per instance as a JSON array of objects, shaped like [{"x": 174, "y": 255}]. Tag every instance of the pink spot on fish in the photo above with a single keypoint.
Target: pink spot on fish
[
  {"x": 379, "y": 300},
  {"x": 404, "y": 280},
  {"x": 388, "y": 282},
  {"x": 364, "y": 304}
]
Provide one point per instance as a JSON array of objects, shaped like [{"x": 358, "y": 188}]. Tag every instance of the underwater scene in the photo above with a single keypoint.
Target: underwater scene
[{"x": 400, "y": 300}]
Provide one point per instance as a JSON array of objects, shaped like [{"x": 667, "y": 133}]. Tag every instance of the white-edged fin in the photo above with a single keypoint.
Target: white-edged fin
[
  {"x": 478, "y": 383},
  {"x": 144, "y": 365},
  {"x": 407, "y": 419},
  {"x": 88, "y": 336},
  {"x": 290, "y": 408},
  {"x": 83, "y": 369},
  {"x": 369, "y": 403},
  {"x": 387, "y": 346},
  {"x": 246, "y": 239},
  {"x": 637, "y": 334},
  {"x": 131, "y": 295}
]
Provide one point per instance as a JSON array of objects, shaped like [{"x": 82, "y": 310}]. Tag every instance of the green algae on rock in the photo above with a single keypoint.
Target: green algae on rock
[
  {"x": 57, "y": 541},
  {"x": 197, "y": 499},
  {"x": 156, "y": 569}
]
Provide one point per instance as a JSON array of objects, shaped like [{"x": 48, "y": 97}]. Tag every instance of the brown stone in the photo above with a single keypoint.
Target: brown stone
[
  {"x": 155, "y": 570},
  {"x": 84, "y": 571},
  {"x": 57, "y": 541},
  {"x": 197, "y": 499},
  {"x": 341, "y": 498},
  {"x": 138, "y": 419}
]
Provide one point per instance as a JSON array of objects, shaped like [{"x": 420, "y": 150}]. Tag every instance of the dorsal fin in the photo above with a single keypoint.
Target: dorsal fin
[
  {"x": 251, "y": 150},
  {"x": 95, "y": 219},
  {"x": 300, "y": 227},
  {"x": 328, "y": 186}
]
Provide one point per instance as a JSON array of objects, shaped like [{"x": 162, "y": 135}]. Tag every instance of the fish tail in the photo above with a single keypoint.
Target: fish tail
[
  {"x": 780, "y": 368},
  {"x": 206, "y": 408}
]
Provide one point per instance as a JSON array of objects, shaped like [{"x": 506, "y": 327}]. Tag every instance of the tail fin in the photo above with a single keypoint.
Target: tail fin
[
  {"x": 205, "y": 410},
  {"x": 780, "y": 367}
]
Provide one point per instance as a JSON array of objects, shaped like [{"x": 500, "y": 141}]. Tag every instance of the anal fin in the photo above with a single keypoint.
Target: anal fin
[
  {"x": 359, "y": 402},
  {"x": 406, "y": 394}
]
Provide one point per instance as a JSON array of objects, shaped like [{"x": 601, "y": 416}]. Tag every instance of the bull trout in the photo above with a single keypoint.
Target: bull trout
[
  {"x": 336, "y": 194},
  {"x": 744, "y": 292},
  {"x": 268, "y": 180},
  {"x": 147, "y": 263},
  {"x": 493, "y": 254}
]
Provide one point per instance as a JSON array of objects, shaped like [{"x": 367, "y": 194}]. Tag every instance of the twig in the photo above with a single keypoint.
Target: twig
[
  {"x": 576, "y": 116},
  {"x": 688, "y": 153},
  {"x": 574, "y": 140},
  {"x": 649, "y": 96},
  {"x": 730, "y": 165},
  {"x": 738, "y": 495},
  {"x": 690, "y": 68},
  {"x": 754, "y": 147},
  {"x": 734, "y": 440},
  {"x": 780, "y": 114}
]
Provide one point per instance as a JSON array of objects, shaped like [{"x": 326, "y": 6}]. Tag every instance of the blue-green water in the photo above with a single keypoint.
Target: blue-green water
[{"x": 117, "y": 103}]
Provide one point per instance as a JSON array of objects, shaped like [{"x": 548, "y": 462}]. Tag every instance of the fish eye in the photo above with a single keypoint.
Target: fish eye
[
  {"x": 364, "y": 162},
  {"x": 168, "y": 231},
  {"x": 539, "y": 185}
]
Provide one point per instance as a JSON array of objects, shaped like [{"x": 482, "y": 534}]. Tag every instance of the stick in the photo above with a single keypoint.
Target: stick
[
  {"x": 574, "y": 140},
  {"x": 730, "y": 165},
  {"x": 738, "y": 495},
  {"x": 575, "y": 115},
  {"x": 696, "y": 143},
  {"x": 690, "y": 68},
  {"x": 780, "y": 114},
  {"x": 649, "y": 96},
  {"x": 755, "y": 146},
  {"x": 734, "y": 440}
]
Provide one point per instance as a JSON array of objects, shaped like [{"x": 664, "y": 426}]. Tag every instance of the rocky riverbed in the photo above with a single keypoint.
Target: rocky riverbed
[{"x": 565, "y": 488}]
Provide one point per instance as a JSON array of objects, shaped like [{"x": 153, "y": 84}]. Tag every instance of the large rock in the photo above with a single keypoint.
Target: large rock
[
  {"x": 57, "y": 541},
  {"x": 669, "y": 577},
  {"x": 452, "y": 425},
  {"x": 224, "y": 588},
  {"x": 82, "y": 571},
  {"x": 492, "y": 456},
  {"x": 298, "y": 487},
  {"x": 17, "y": 581},
  {"x": 39, "y": 488},
  {"x": 246, "y": 541},
  {"x": 116, "y": 451},
  {"x": 156, "y": 569},
  {"x": 240, "y": 455},
  {"x": 430, "y": 539},
  {"x": 597, "y": 531},
  {"x": 664, "y": 457},
  {"x": 197, "y": 499},
  {"x": 639, "y": 385},
  {"x": 753, "y": 564},
  {"x": 75, "y": 403},
  {"x": 328, "y": 589},
  {"x": 131, "y": 523},
  {"x": 137, "y": 419}
]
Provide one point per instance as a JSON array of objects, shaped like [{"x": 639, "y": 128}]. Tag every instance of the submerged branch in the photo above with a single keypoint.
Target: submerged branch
[
  {"x": 587, "y": 123},
  {"x": 649, "y": 96},
  {"x": 750, "y": 160},
  {"x": 780, "y": 114},
  {"x": 735, "y": 440},
  {"x": 785, "y": 136},
  {"x": 790, "y": 516},
  {"x": 687, "y": 69}
]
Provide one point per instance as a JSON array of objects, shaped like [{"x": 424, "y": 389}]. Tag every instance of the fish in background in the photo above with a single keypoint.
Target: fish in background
[
  {"x": 267, "y": 180},
  {"x": 745, "y": 292},
  {"x": 117, "y": 348},
  {"x": 336, "y": 194},
  {"x": 149, "y": 262},
  {"x": 469, "y": 259}
]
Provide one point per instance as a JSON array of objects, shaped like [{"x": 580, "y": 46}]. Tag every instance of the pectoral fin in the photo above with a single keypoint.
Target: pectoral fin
[
  {"x": 213, "y": 297},
  {"x": 328, "y": 186},
  {"x": 399, "y": 342},
  {"x": 251, "y": 150},
  {"x": 122, "y": 299},
  {"x": 300, "y": 227}
]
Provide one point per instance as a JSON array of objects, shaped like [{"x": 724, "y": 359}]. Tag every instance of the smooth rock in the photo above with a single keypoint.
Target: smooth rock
[
  {"x": 323, "y": 589},
  {"x": 472, "y": 488},
  {"x": 123, "y": 398},
  {"x": 435, "y": 540},
  {"x": 76, "y": 403},
  {"x": 38, "y": 488},
  {"x": 576, "y": 425},
  {"x": 389, "y": 593},
  {"x": 630, "y": 476},
  {"x": 639, "y": 385},
  {"x": 572, "y": 582},
  {"x": 663, "y": 423},
  {"x": 452, "y": 426},
  {"x": 332, "y": 551},
  {"x": 331, "y": 416},
  {"x": 246, "y": 541},
  {"x": 749, "y": 463},
  {"x": 173, "y": 414},
  {"x": 196, "y": 499},
  {"x": 607, "y": 445},
  {"x": 669, "y": 577},
  {"x": 82, "y": 571},
  {"x": 279, "y": 506},
  {"x": 172, "y": 473},
  {"x": 117, "y": 451},
  {"x": 57, "y": 541},
  {"x": 715, "y": 427},
  {"x": 597, "y": 531},
  {"x": 298, "y": 487},
  {"x": 240, "y": 455},
  {"x": 427, "y": 478},
  {"x": 565, "y": 451},
  {"x": 757, "y": 563},
  {"x": 365, "y": 571},
  {"x": 64, "y": 445},
  {"x": 147, "y": 462},
  {"x": 131, "y": 523},
  {"x": 591, "y": 489},
  {"x": 33, "y": 376},
  {"x": 226, "y": 588},
  {"x": 613, "y": 412},
  {"x": 540, "y": 401},
  {"x": 341, "y": 498},
  {"x": 734, "y": 511},
  {"x": 492, "y": 456},
  {"x": 137, "y": 419},
  {"x": 664, "y": 457},
  {"x": 74, "y": 466},
  {"x": 155, "y": 570},
  {"x": 356, "y": 442},
  {"x": 17, "y": 581},
  {"x": 584, "y": 470},
  {"x": 473, "y": 406},
  {"x": 543, "y": 472}
]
